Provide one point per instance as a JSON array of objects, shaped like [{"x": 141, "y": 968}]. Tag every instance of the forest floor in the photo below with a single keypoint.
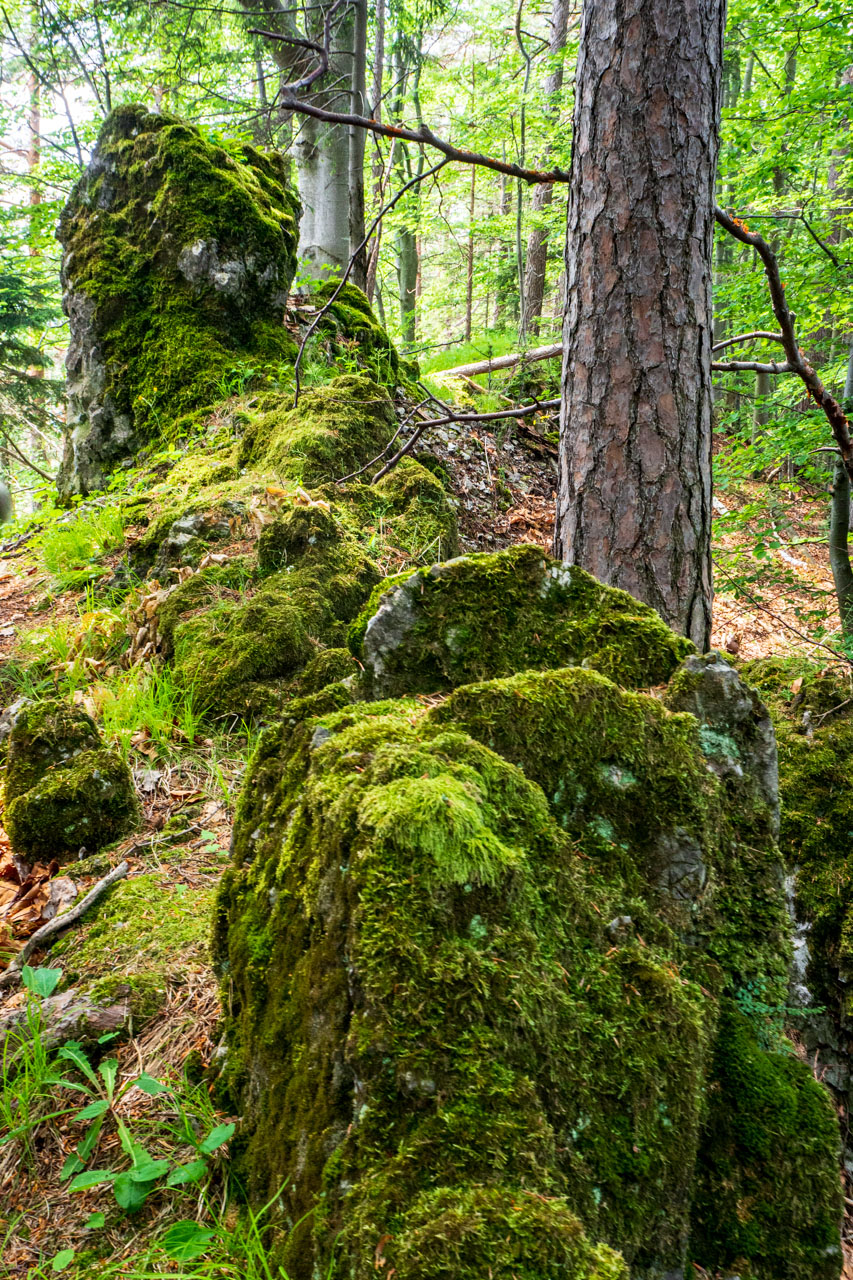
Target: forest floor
[{"x": 154, "y": 936}]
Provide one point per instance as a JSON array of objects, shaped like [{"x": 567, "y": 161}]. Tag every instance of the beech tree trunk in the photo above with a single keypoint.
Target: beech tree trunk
[
  {"x": 537, "y": 243},
  {"x": 634, "y": 503}
]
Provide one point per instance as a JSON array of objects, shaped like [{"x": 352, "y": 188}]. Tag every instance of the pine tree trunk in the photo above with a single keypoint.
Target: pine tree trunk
[{"x": 634, "y": 504}]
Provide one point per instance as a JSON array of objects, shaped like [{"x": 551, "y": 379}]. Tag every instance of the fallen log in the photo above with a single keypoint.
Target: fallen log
[{"x": 502, "y": 362}]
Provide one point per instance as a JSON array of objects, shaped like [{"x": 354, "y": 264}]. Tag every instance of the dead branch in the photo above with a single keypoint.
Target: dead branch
[
  {"x": 12, "y": 974},
  {"x": 835, "y": 415},
  {"x": 523, "y": 411},
  {"x": 424, "y": 137}
]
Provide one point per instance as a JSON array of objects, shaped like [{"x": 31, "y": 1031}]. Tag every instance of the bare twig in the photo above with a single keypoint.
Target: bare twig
[
  {"x": 11, "y": 975},
  {"x": 405, "y": 422},
  {"x": 522, "y": 411},
  {"x": 750, "y": 366}
]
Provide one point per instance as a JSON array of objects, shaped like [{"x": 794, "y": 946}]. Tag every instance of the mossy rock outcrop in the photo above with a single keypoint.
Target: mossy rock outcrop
[
  {"x": 63, "y": 789},
  {"x": 487, "y": 615},
  {"x": 481, "y": 952},
  {"x": 178, "y": 257}
]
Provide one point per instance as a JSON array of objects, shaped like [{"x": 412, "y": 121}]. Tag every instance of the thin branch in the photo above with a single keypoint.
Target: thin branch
[
  {"x": 22, "y": 457},
  {"x": 750, "y": 366},
  {"x": 523, "y": 411},
  {"x": 748, "y": 337},
  {"x": 835, "y": 415},
  {"x": 352, "y": 261},
  {"x": 820, "y": 244},
  {"x": 404, "y": 423},
  {"x": 424, "y": 136}
]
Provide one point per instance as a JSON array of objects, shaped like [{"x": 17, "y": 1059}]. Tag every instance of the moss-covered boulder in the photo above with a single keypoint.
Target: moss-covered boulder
[
  {"x": 178, "y": 257},
  {"x": 63, "y": 789},
  {"x": 352, "y": 325},
  {"x": 318, "y": 575},
  {"x": 477, "y": 946},
  {"x": 486, "y": 615}
]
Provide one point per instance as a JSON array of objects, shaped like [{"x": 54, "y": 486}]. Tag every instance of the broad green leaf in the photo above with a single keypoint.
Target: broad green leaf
[
  {"x": 95, "y": 1221},
  {"x": 93, "y": 1178},
  {"x": 96, "y": 1108},
  {"x": 41, "y": 982},
  {"x": 216, "y": 1137},
  {"x": 151, "y": 1086},
  {"x": 62, "y": 1260},
  {"x": 184, "y": 1173},
  {"x": 149, "y": 1172},
  {"x": 131, "y": 1195},
  {"x": 187, "y": 1240}
]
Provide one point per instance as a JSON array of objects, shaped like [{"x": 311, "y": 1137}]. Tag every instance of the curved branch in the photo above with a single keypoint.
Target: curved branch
[
  {"x": 424, "y": 136},
  {"x": 835, "y": 415},
  {"x": 748, "y": 337}
]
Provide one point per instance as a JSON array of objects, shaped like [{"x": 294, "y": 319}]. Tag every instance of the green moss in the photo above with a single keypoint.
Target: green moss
[
  {"x": 352, "y": 325},
  {"x": 334, "y": 430},
  {"x": 489, "y": 615},
  {"x": 408, "y": 510},
  {"x": 298, "y": 611},
  {"x": 88, "y": 802},
  {"x": 47, "y": 735},
  {"x": 181, "y": 252},
  {"x": 768, "y": 1202},
  {"x": 146, "y": 930},
  {"x": 491, "y": 1038}
]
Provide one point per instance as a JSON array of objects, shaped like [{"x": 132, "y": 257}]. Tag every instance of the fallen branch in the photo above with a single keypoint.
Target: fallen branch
[
  {"x": 523, "y": 411},
  {"x": 12, "y": 974},
  {"x": 502, "y": 362}
]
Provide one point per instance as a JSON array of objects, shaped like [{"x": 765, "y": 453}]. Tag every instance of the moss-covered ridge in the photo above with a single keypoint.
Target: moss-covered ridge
[
  {"x": 475, "y": 955},
  {"x": 178, "y": 257}
]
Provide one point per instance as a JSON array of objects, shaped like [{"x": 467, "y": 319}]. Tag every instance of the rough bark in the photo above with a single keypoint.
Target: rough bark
[
  {"x": 634, "y": 504},
  {"x": 537, "y": 243}
]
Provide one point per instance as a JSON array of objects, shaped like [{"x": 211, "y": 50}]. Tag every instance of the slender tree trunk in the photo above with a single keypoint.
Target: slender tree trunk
[
  {"x": 357, "y": 139},
  {"x": 839, "y": 526},
  {"x": 469, "y": 291},
  {"x": 537, "y": 244},
  {"x": 377, "y": 166},
  {"x": 634, "y": 504}
]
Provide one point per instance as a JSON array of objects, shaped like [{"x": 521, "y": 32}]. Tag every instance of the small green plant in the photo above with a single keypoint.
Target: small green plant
[
  {"x": 131, "y": 1187},
  {"x": 27, "y": 1063},
  {"x": 70, "y": 546}
]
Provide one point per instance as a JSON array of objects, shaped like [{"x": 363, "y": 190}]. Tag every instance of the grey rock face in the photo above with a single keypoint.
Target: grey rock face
[{"x": 736, "y": 734}]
